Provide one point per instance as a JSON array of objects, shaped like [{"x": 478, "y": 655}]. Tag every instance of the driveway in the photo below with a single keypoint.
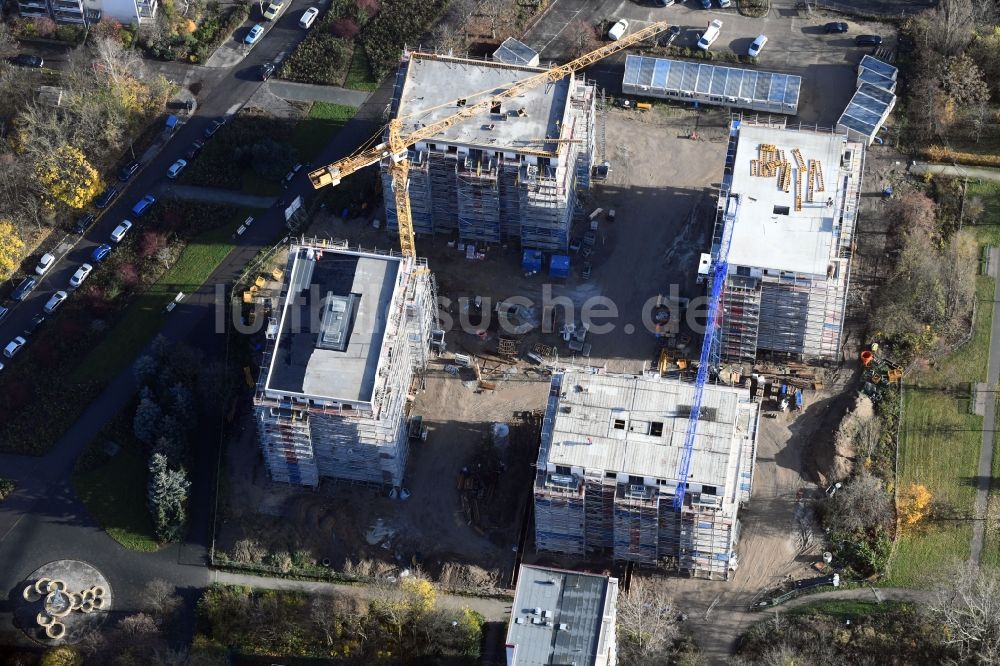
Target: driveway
[{"x": 797, "y": 44}]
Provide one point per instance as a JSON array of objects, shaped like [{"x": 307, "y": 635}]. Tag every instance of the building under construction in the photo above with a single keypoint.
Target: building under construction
[
  {"x": 790, "y": 256},
  {"x": 512, "y": 173},
  {"x": 607, "y": 469},
  {"x": 351, "y": 332}
]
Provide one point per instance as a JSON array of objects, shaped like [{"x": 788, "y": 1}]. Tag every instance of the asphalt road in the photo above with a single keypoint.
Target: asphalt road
[
  {"x": 44, "y": 520},
  {"x": 222, "y": 93}
]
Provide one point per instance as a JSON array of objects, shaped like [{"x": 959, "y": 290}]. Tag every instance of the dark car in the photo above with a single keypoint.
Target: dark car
[
  {"x": 100, "y": 252},
  {"x": 868, "y": 40},
  {"x": 4, "y": 312},
  {"x": 214, "y": 127},
  {"x": 84, "y": 223},
  {"x": 128, "y": 171},
  {"x": 23, "y": 289},
  {"x": 33, "y": 325},
  {"x": 836, "y": 26},
  {"x": 266, "y": 70},
  {"x": 664, "y": 3},
  {"x": 27, "y": 60},
  {"x": 106, "y": 197},
  {"x": 668, "y": 38},
  {"x": 194, "y": 149}
]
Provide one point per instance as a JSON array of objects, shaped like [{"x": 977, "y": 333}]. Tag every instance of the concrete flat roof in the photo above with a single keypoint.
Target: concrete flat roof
[
  {"x": 769, "y": 232},
  {"x": 575, "y": 600},
  {"x": 654, "y": 415},
  {"x": 435, "y": 80},
  {"x": 302, "y": 362}
]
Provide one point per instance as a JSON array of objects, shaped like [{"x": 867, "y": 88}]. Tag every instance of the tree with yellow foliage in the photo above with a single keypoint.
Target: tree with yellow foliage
[
  {"x": 913, "y": 505},
  {"x": 10, "y": 249},
  {"x": 69, "y": 177},
  {"x": 62, "y": 656}
]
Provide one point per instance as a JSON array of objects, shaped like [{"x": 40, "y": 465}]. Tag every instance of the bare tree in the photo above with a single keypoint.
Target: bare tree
[
  {"x": 860, "y": 505},
  {"x": 8, "y": 45},
  {"x": 967, "y": 603},
  {"x": 160, "y": 598},
  {"x": 951, "y": 26},
  {"x": 500, "y": 16},
  {"x": 647, "y": 622},
  {"x": 868, "y": 435},
  {"x": 581, "y": 37}
]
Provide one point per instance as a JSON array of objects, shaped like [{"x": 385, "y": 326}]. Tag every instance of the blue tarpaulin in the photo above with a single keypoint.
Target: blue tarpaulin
[
  {"x": 559, "y": 266},
  {"x": 532, "y": 261},
  {"x": 171, "y": 121}
]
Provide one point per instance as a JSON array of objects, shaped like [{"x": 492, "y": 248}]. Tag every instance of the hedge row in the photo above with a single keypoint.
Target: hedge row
[
  {"x": 398, "y": 24},
  {"x": 943, "y": 154}
]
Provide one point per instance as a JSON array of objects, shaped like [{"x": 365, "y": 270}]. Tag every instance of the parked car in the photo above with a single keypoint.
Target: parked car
[
  {"x": 84, "y": 223},
  {"x": 27, "y": 60},
  {"x": 667, "y": 38},
  {"x": 128, "y": 171},
  {"x": 286, "y": 181},
  {"x": 618, "y": 30},
  {"x": 266, "y": 70},
  {"x": 119, "y": 233},
  {"x": 706, "y": 4},
  {"x": 214, "y": 127},
  {"x": 4, "y": 312},
  {"x": 143, "y": 205},
  {"x": 106, "y": 197},
  {"x": 14, "y": 346},
  {"x": 308, "y": 17},
  {"x": 80, "y": 275},
  {"x": 665, "y": 3},
  {"x": 176, "y": 168},
  {"x": 835, "y": 27},
  {"x": 255, "y": 34},
  {"x": 22, "y": 290},
  {"x": 725, "y": 3},
  {"x": 194, "y": 150},
  {"x": 45, "y": 263},
  {"x": 100, "y": 252},
  {"x": 273, "y": 10},
  {"x": 33, "y": 325},
  {"x": 710, "y": 35},
  {"x": 757, "y": 45},
  {"x": 55, "y": 301},
  {"x": 868, "y": 40}
]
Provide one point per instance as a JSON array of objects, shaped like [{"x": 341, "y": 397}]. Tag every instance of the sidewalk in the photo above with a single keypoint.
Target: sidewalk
[
  {"x": 956, "y": 170},
  {"x": 497, "y": 610},
  {"x": 213, "y": 195},
  {"x": 307, "y": 92}
]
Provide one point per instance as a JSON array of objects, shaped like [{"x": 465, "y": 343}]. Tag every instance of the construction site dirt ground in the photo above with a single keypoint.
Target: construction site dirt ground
[{"x": 662, "y": 187}]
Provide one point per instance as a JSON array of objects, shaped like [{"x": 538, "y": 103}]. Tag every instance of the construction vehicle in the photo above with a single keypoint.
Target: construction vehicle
[{"x": 395, "y": 148}]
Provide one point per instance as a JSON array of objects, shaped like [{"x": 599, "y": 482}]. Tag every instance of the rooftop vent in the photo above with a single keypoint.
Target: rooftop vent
[
  {"x": 522, "y": 112},
  {"x": 494, "y": 107},
  {"x": 460, "y": 102},
  {"x": 338, "y": 316}
]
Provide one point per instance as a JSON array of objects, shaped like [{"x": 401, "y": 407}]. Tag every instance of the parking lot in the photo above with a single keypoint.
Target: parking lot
[{"x": 797, "y": 44}]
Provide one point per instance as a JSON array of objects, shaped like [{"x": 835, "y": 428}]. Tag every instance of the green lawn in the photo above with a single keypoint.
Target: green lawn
[
  {"x": 114, "y": 494},
  {"x": 940, "y": 439},
  {"x": 314, "y": 132},
  {"x": 846, "y": 609},
  {"x": 146, "y": 314},
  {"x": 359, "y": 76}
]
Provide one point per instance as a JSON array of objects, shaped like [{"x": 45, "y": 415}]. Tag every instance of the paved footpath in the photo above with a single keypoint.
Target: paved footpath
[
  {"x": 306, "y": 92},
  {"x": 956, "y": 170},
  {"x": 985, "y": 471}
]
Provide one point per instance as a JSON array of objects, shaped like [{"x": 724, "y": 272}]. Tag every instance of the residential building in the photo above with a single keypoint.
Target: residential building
[
  {"x": 349, "y": 339},
  {"x": 607, "y": 470},
  {"x": 90, "y": 11},
  {"x": 792, "y": 197},
  {"x": 512, "y": 173},
  {"x": 562, "y": 617}
]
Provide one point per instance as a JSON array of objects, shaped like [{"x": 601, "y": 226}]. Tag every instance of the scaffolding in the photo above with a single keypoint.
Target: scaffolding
[{"x": 308, "y": 437}]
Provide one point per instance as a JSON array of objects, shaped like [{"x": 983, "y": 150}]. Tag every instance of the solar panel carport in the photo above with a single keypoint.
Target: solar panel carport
[{"x": 664, "y": 78}]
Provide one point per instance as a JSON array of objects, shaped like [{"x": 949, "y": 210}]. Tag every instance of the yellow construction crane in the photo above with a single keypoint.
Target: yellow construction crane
[{"x": 398, "y": 144}]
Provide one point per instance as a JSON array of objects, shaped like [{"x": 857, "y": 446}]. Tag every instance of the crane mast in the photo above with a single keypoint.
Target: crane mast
[{"x": 397, "y": 144}]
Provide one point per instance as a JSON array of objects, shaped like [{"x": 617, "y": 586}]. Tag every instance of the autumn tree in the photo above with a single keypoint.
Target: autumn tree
[
  {"x": 69, "y": 177},
  {"x": 913, "y": 504},
  {"x": 11, "y": 246}
]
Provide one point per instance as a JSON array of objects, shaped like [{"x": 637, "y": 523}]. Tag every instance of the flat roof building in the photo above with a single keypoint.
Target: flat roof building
[
  {"x": 509, "y": 173},
  {"x": 607, "y": 470},
  {"x": 562, "y": 617},
  {"x": 793, "y": 199},
  {"x": 350, "y": 330}
]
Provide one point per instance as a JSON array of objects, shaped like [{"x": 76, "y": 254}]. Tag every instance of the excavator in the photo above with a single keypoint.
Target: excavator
[{"x": 397, "y": 144}]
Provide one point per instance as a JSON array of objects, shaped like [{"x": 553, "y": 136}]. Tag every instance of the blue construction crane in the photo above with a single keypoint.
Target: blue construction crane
[{"x": 710, "y": 342}]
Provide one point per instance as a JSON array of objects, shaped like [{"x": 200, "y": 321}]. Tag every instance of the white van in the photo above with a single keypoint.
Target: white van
[{"x": 308, "y": 17}]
